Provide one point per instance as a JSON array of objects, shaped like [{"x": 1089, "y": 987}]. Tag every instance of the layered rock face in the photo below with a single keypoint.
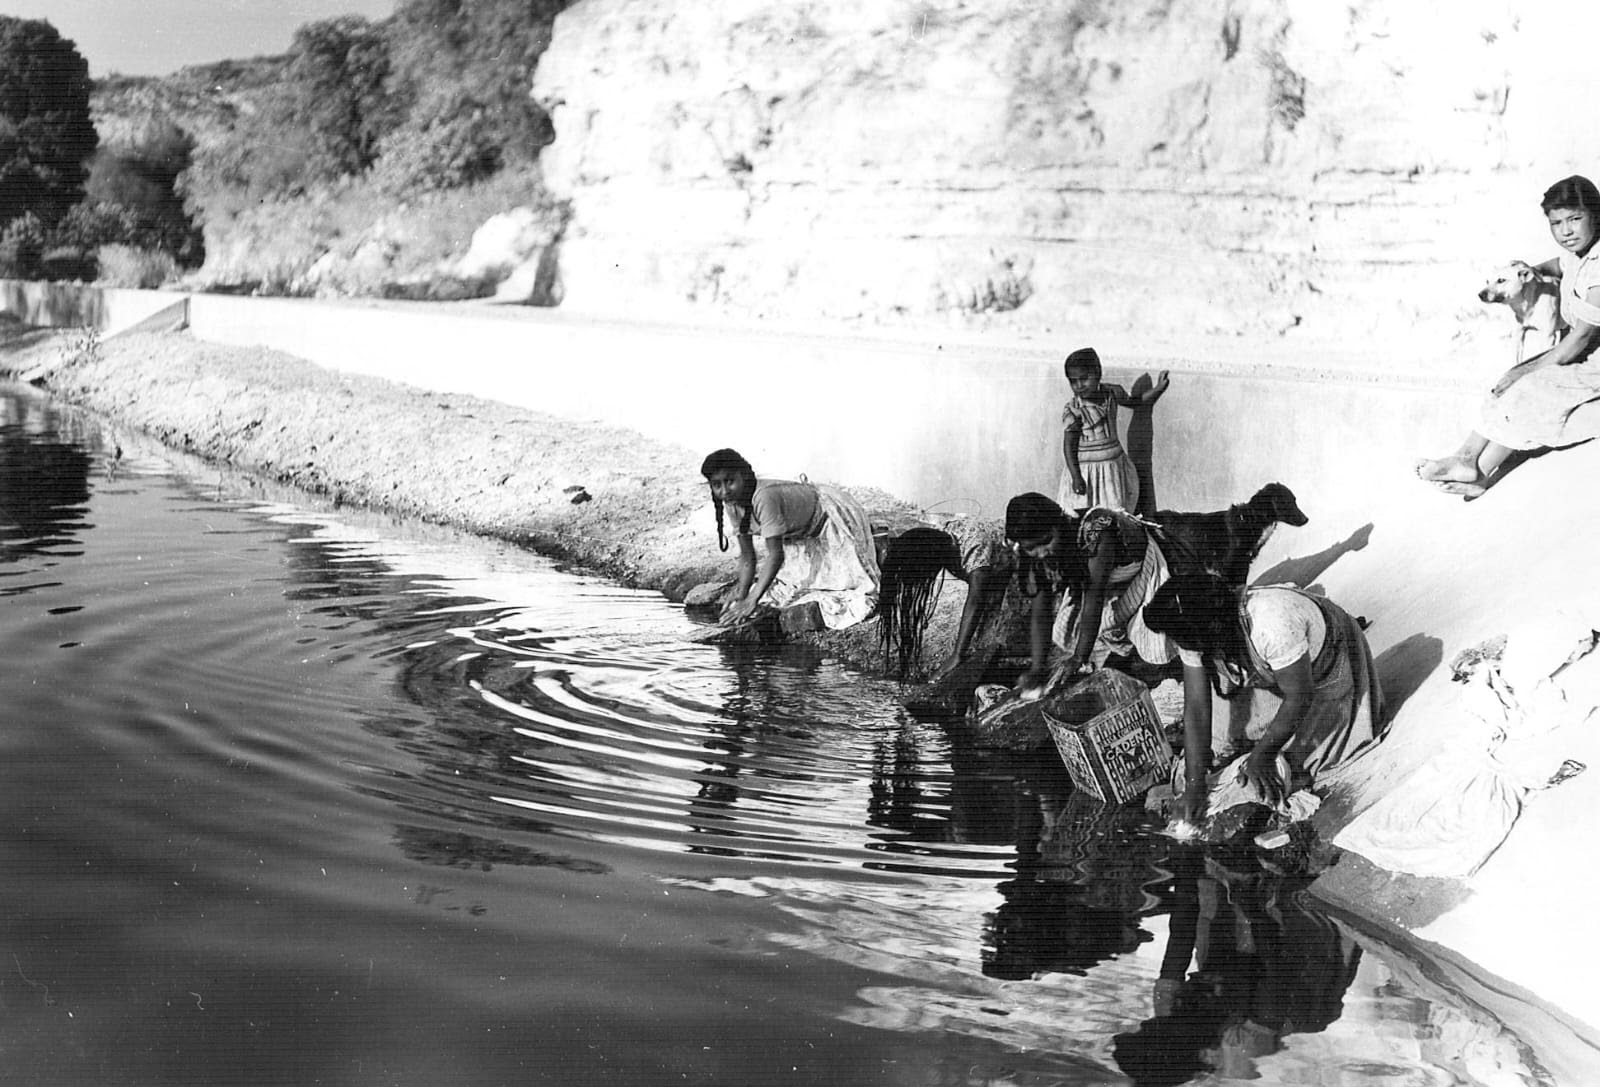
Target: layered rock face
[{"x": 1277, "y": 171}]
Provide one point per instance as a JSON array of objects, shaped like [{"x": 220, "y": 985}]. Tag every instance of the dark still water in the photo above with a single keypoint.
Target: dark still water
[{"x": 294, "y": 796}]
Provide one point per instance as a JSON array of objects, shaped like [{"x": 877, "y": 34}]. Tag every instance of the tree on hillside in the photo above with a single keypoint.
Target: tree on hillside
[
  {"x": 336, "y": 90},
  {"x": 461, "y": 73},
  {"x": 46, "y": 135}
]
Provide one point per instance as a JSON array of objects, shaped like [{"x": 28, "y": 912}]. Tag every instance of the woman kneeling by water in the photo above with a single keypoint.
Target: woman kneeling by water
[
  {"x": 1107, "y": 565},
  {"x": 1307, "y": 650},
  {"x": 817, "y": 543}
]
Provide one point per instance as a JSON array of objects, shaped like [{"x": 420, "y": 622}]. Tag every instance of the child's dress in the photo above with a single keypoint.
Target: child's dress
[{"x": 1108, "y": 471}]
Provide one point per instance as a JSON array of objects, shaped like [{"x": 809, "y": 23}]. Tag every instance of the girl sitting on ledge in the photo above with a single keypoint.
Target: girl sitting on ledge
[
  {"x": 1553, "y": 399},
  {"x": 816, "y": 544}
]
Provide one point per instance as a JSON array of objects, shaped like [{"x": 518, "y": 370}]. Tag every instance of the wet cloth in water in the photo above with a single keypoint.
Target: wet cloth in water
[
  {"x": 836, "y": 567},
  {"x": 1133, "y": 582},
  {"x": 1558, "y": 405}
]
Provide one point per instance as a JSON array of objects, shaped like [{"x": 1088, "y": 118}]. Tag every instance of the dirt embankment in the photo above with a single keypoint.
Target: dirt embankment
[{"x": 603, "y": 498}]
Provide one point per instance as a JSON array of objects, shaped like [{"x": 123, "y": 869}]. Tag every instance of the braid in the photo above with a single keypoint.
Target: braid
[
  {"x": 911, "y": 569},
  {"x": 722, "y": 537},
  {"x": 728, "y": 460}
]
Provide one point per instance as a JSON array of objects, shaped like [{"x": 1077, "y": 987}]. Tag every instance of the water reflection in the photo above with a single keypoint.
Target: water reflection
[
  {"x": 1246, "y": 965},
  {"x": 44, "y": 483}
]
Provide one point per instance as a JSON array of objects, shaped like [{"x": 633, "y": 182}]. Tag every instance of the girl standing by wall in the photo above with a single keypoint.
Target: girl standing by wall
[{"x": 1098, "y": 471}]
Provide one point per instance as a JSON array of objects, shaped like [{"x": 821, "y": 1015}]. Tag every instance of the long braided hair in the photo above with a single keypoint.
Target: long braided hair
[
  {"x": 727, "y": 460},
  {"x": 910, "y": 571}
]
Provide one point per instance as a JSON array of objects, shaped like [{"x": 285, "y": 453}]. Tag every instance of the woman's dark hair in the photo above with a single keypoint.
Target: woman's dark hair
[
  {"x": 910, "y": 569},
  {"x": 727, "y": 460},
  {"x": 1201, "y": 613},
  {"x": 1084, "y": 358},
  {"x": 1576, "y": 191},
  {"x": 1031, "y": 517}
]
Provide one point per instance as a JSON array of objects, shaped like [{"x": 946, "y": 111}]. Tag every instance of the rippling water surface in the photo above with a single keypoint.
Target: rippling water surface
[{"x": 300, "y": 796}]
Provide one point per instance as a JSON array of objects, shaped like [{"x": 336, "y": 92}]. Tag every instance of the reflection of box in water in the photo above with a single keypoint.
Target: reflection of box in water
[{"x": 1109, "y": 735}]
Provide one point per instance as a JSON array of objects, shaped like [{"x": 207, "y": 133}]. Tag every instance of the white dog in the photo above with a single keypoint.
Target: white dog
[{"x": 1533, "y": 303}]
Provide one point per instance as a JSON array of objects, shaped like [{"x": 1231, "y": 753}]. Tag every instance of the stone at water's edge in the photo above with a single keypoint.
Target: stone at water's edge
[{"x": 1047, "y": 166}]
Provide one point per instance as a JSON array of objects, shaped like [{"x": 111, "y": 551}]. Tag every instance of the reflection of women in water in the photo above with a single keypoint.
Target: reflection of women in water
[
  {"x": 1553, "y": 399},
  {"x": 816, "y": 543},
  {"x": 1307, "y": 650},
  {"x": 1264, "y": 967},
  {"x": 1107, "y": 564}
]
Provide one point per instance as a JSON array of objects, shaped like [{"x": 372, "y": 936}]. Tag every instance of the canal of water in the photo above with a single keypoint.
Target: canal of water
[{"x": 294, "y": 795}]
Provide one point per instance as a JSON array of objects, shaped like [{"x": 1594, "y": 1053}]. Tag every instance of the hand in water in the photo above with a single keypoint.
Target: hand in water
[
  {"x": 1261, "y": 771},
  {"x": 1031, "y": 682},
  {"x": 737, "y": 611}
]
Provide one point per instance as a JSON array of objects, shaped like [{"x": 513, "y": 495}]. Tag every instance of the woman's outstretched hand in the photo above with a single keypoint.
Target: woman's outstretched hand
[
  {"x": 737, "y": 611},
  {"x": 1261, "y": 771}
]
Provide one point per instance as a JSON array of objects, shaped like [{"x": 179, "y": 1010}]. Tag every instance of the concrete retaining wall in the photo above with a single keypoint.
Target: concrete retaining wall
[
  {"x": 954, "y": 422},
  {"x": 73, "y": 305}
]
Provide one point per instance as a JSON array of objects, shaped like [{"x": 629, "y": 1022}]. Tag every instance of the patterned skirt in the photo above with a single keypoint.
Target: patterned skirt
[
  {"x": 1122, "y": 630},
  {"x": 837, "y": 568}
]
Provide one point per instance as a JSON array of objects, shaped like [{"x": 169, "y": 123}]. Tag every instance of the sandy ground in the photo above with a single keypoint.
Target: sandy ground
[{"x": 1437, "y": 575}]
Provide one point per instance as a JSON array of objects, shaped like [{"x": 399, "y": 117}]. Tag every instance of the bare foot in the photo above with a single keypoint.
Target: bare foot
[
  {"x": 1448, "y": 469},
  {"x": 1468, "y": 491}
]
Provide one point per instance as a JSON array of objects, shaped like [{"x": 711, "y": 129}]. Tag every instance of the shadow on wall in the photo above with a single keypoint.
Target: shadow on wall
[
  {"x": 1305, "y": 570},
  {"x": 1141, "y": 445},
  {"x": 1404, "y": 667}
]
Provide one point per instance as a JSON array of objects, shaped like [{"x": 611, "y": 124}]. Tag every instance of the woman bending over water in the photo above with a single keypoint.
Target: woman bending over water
[
  {"x": 816, "y": 543},
  {"x": 1306, "y": 649},
  {"x": 1106, "y": 565},
  {"x": 1552, "y": 399}
]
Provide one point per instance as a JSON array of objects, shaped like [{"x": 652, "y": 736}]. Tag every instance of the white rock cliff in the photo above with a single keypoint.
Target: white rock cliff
[{"x": 1281, "y": 171}]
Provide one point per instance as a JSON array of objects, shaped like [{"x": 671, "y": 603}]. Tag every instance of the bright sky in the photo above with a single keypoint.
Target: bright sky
[{"x": 154, "y": 37}]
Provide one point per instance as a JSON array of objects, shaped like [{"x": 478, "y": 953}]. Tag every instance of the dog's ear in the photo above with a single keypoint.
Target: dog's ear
[{"x": 1524, "y": 273}]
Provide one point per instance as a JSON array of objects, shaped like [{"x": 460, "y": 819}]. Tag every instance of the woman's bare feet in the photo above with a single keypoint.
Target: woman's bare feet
[
  {"x": 1468, "y": 491},
  {"x": 1448, "y": 470}
]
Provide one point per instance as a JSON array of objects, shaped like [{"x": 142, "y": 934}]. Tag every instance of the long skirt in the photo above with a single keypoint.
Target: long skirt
[
  {"x": 1122, "y": 630},
  {"x": 837, "y": 568},
  {"x": 1550, "y": 408},
  {"x": 1346, "y": 701}
]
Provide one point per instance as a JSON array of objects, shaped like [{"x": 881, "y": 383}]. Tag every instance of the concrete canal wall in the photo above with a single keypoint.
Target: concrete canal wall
[{"x": 963, "y": 422}]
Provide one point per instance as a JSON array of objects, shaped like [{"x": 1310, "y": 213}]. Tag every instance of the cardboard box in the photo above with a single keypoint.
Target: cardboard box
[{"x": 1109, "y": 735}]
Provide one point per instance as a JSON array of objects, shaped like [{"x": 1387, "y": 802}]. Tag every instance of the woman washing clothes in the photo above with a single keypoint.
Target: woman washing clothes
[
  {"x": 816, "y": 543},
  {"x": 1305, "y": 649},
  {"x": 1106, "y": 565},
  {"x": 1553, "y": 399}
]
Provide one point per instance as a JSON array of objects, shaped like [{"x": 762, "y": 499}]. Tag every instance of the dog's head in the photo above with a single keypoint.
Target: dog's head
[
  {"x": 1275, "y": 502},
  {"x": 1510, "y": 283}
]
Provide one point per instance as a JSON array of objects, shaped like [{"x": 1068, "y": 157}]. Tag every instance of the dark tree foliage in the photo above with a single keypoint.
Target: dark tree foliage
[
  {"x": 46, "y": 135},
  {"x": 131, "y": 197},
  {"x": 461, "y": 72},
  {"x": 335, "y": 90}
]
